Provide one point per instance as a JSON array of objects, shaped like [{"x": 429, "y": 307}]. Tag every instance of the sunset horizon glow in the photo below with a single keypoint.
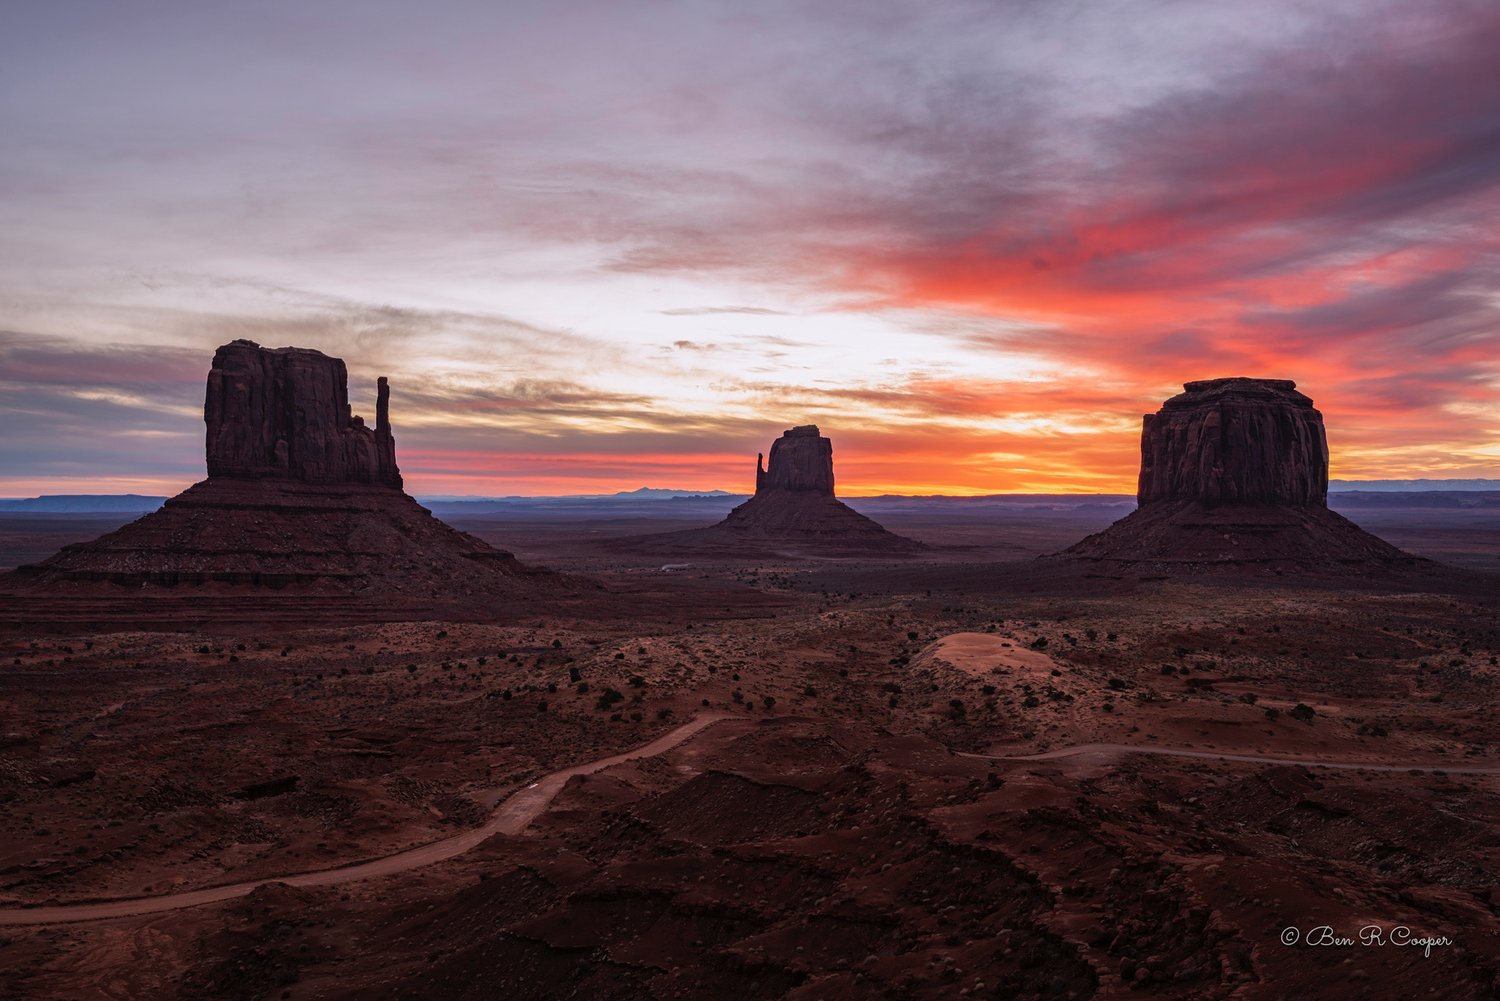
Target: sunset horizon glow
[{"x": 600, "y": 247}]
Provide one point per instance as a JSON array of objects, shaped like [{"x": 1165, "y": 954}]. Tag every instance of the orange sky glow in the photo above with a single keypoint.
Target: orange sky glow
[{"x": 604, "y": 248}]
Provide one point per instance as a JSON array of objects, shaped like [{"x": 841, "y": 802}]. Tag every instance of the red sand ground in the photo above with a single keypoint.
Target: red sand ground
[{"x": 863, "y": 823}]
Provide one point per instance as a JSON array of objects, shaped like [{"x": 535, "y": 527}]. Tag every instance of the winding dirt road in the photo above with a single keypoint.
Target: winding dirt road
[
  {"x": 516, "y": 812},
  {"x": 512, "y": 816},
  {"x": 1172, "y": 752}
]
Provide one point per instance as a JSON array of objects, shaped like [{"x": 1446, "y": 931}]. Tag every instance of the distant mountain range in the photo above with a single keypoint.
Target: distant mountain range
[
  {"x": 82, "y": 504},
  {"x": 638, "y": 494},
  {"x": 1412, "y": 486},
  {"x": 628, "y": 499}
]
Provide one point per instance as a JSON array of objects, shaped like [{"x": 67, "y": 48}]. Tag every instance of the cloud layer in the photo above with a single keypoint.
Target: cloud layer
[{"x": 613, "y": 244}]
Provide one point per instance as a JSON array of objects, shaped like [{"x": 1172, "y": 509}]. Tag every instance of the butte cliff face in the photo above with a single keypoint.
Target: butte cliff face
[
  {"x": 1235, "y": 441},
  {"x": 801, "y": 461},
  {"x": 301, "y": 497},
  {"x": 1235, "y": 471},
  {"x": 284, "y": 413}
]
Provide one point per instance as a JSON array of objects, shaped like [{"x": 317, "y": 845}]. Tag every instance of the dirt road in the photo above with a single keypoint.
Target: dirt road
[
  {"x": 1171, "y": 752},
  {"x": 512, "y": 816}
]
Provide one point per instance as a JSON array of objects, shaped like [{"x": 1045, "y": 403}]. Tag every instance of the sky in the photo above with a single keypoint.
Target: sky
[{"x": 597, "y": 246}]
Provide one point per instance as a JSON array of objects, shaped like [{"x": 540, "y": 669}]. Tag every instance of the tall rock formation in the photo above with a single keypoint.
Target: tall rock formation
[
  {"x": 794, "y": 508},
  {"x": 1235, "y": 471},
  {"x": 801, "y": 460},
  {"x": 284, "y": 412},
  {"x": 301, "y": 496},
  {"x": 1235, "y": 441}
]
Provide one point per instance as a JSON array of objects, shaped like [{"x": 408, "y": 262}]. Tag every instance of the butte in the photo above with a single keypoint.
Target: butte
[
  {"x": 1234, "y": 473},
  {"x": 303, "y": 510},
  {"x": 794, "y": 507}
]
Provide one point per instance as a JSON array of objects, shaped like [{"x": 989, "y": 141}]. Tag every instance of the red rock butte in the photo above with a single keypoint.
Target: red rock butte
[
  {"x": 794, "y": 503},
  {"x": 301, "y": 496},
  {"x": 801, "y": 460},
  {"x": 1235, "y": 441},
  {"x": 793, "y": 509},
  {"x": 1235, "y": 472},
  {"x": 284, "y": 413}
]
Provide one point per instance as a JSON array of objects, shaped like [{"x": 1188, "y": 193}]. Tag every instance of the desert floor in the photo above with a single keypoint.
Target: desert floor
[{"x": 776, "y": 776}]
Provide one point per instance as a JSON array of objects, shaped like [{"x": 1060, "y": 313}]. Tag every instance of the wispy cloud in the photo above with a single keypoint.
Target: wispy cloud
[{"x": 717, "y": 310}]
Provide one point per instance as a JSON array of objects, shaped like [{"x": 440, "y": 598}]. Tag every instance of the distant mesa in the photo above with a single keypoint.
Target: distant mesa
[
  {"x": 302, "y": 495},
  {"x": 793, "y": 505},
  {"x": 1235, "y": 471}
]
